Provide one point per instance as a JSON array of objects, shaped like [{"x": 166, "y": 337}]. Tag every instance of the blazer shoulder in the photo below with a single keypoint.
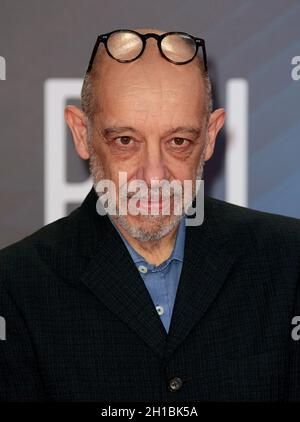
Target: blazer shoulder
[
  {"x": 26, "y": 254},
  {"x": 264, "y": 228}
]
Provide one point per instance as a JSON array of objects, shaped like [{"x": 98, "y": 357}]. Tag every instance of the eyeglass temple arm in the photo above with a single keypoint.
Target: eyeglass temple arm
[
  {"x": 204, "y": 56},
  {"x": 201, "y": 42},
  {"x": 100, "y": 38}
]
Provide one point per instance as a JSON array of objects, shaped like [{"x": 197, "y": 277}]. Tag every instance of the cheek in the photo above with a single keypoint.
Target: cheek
[
  {"x": 185, "y": 170},
  {"x": 115, "y": 170}
]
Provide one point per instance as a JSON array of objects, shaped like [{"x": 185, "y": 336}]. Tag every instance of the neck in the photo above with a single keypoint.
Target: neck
[{"x": 153, "y": 251}]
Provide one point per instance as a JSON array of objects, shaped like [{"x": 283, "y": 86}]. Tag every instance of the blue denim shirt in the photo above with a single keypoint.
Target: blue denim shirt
[{"x": 162, "y": 280}]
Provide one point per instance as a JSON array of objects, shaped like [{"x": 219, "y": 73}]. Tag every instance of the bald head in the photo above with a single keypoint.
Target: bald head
[{"x": 150, "y": 72}]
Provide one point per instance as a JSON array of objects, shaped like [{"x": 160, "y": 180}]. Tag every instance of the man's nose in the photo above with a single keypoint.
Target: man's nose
[{"x": 152, "y": 169}]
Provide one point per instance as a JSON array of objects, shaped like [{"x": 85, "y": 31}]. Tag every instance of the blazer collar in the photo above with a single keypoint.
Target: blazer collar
[
  {"x": 112, "y": 276},
  {"x": 177, "y": 251}
]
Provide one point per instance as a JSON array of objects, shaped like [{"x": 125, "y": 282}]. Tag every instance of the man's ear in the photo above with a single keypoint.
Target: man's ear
[
  {"x": 76, "y": 120},
  {"x": 215, "y": 124}
]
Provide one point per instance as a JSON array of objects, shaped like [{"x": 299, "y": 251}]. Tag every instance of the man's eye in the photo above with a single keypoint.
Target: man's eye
[
  {"x": 179, "y": 142},
  {"x": 123, "y": 140}
]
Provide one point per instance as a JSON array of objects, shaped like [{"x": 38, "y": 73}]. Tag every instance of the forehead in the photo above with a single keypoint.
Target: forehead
[{"x": 155, "y": 88}]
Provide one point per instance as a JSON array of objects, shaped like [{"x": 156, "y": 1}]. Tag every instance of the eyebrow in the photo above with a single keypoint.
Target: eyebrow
[{"x": 194, "y": 130}]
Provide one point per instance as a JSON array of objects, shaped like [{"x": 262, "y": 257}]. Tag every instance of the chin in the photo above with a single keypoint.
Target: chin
[{"x": 157, "y": 226}]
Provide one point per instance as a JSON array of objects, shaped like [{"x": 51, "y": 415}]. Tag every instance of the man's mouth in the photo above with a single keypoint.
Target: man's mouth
[{"x": 155, "y": 204}]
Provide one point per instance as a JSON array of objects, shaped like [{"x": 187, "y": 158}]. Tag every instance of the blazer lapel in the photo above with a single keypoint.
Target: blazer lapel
[
  {"x": 112, "y": 276},
  {"x": 207, "y": 261}
]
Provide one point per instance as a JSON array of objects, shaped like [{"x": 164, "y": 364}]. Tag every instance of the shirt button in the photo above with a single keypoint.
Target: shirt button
[
  {"x": 142, "y": 269},
  {"x": 175, "y": 384},
  {"x": 160, "y": 310}
]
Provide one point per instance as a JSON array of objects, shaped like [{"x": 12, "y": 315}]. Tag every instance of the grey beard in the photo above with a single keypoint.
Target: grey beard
[{"x": 159, "y": 226}]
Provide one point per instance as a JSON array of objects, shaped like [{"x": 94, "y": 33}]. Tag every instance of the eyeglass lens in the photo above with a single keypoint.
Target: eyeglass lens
[
  {"x": 124, "y": 45},
  {"x": 178, "y": 47}
]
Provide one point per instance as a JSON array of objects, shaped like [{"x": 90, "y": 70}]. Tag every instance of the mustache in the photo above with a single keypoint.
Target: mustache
[{"x": 157, "y": 194}]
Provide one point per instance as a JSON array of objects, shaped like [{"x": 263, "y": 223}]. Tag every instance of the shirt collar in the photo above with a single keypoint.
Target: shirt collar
[{"x": 178, "y": 251}]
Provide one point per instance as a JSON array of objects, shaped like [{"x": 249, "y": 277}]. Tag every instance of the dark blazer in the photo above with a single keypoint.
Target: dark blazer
[{"x": 80, "y": 324}]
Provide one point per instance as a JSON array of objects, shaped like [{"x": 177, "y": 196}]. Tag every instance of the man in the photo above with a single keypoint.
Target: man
[{"x": 145, "y": 307}]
